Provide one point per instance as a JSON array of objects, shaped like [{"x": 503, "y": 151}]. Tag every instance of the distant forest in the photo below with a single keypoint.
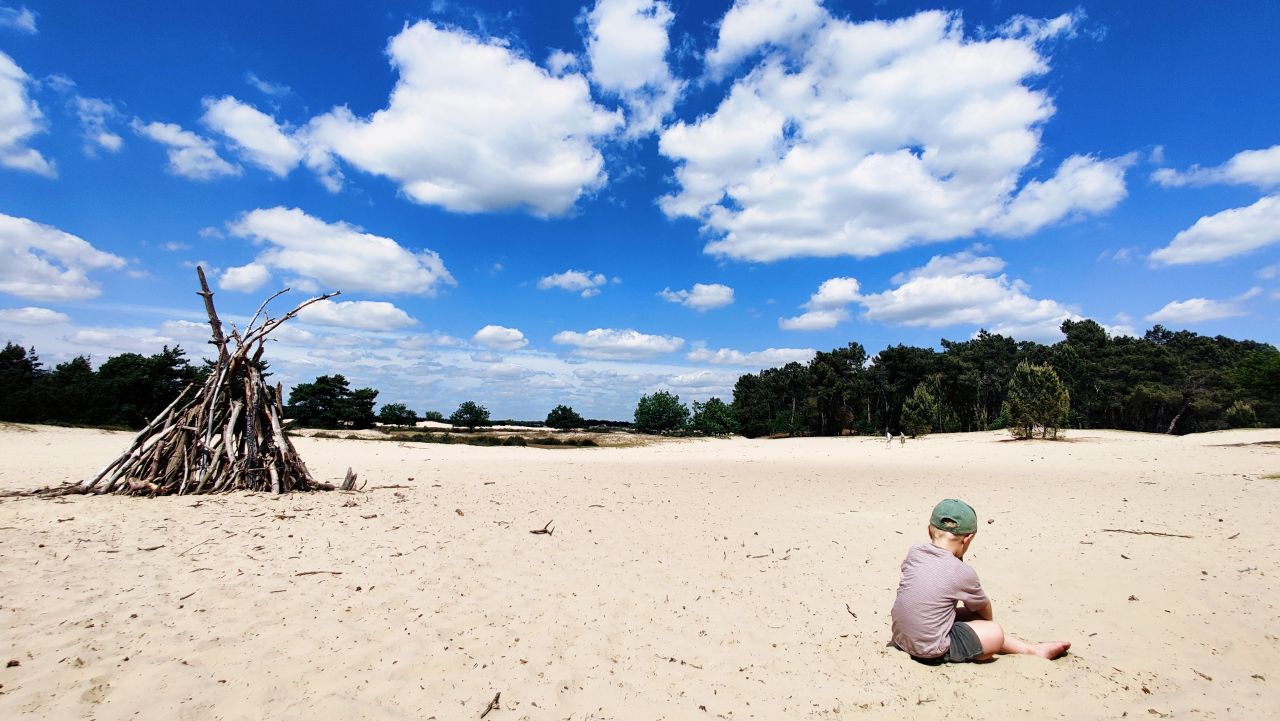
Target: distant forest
[{"x": 1165, "y": 382}]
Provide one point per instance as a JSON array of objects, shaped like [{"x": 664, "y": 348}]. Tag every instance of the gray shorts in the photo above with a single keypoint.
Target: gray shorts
[{"x": 965, "y": 646}]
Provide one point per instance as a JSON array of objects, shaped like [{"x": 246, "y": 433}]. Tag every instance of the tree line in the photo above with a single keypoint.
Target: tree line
[{"x": 1165, "y": 381}]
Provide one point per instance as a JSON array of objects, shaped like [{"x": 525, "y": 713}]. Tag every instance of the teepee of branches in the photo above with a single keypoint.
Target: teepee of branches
[{"x": 226, "y": 435}]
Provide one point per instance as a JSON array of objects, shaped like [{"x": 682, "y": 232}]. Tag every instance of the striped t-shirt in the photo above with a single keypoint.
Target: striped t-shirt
[{"x": 933, "y": 580}]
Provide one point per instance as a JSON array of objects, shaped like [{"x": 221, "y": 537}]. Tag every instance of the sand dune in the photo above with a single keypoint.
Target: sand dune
[{"x": 697, "y": 579}]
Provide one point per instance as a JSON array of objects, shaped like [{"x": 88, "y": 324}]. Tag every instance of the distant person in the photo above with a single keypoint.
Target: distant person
[
  {"x": 926, "y": 621},
  {"x": 888, "y": 437},
  {"x": 902, "y": 438}
]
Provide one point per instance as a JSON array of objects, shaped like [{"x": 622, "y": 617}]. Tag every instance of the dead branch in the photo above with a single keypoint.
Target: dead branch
[
  {"x": 312, "y": 573},
  {"x": 547, "y": 529},
  {"x": 493, "y": 705},
  {"x": 1145, "y": 533}
]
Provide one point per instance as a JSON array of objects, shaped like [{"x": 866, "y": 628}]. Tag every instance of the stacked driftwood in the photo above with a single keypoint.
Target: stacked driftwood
[{"x": 226, "y": 435}]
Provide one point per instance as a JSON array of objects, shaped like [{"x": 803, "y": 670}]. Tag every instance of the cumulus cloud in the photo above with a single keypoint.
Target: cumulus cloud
[
  {"x": 584, "y": 281},
  {"x": 258, "y": 137},
  {"x": 190, "y": 155},
  {"x": 627, "y": 45},
  {"x": 31, "y": 315},
  {"x": 966, "y": 262},
  {"x": 339, "y": 255},
  {"x": 1195, "y": 310},
  {"x": 1226, "y": 234},
  {"x": 245, "y": 278},
  {"x": 949, "y": 290},
  {"x": 767, "y": 358},
  {"x": 498, "y": 337},
  {"x": 873, "y": 136},
  {"x": 473, "y": 126},
  {"x": 825, "y": 309},
  {"x": 701, "y": 297},
  {"x": 94, "y": 115},
  {"x": 1259, "y": 168},
  {"x": 941, "y": 301},
  {"x": 359, "y": 314},
  {"x": 20, "y": 119},
  {"x": 20, "y": 19},
  {"x": 613, "y": 344},
  {"x": 1081, "y": 185},
  {"x": 45, "y": 263},
  {"x": 959, "y": 290},
  {"x": 753, "y": 24}
]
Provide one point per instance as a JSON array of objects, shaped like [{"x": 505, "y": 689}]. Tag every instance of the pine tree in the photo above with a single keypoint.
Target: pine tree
[
  {"x": 918, "y": 412},
  {"x": 1037, "y": 402}
]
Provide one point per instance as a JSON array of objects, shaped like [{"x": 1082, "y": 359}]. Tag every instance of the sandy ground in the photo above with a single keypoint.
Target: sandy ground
[{"x": 699, "y": 579}]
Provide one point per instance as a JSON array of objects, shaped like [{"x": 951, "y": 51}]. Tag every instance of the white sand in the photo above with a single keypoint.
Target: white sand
[{"x": 681, "y": 576}]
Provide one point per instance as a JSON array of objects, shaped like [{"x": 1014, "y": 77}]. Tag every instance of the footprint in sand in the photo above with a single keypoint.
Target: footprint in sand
[{"x": 98, "y": 691}]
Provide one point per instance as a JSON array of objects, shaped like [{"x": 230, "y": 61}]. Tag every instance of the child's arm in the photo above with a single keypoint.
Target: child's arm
[{"x": 975, "y": 611}]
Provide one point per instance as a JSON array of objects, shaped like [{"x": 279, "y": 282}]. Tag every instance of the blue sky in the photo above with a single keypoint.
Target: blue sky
[{"x": 581, "y": 202}]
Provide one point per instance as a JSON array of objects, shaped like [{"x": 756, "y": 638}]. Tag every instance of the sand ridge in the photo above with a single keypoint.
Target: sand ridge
[{"x": 693, "y": 579}]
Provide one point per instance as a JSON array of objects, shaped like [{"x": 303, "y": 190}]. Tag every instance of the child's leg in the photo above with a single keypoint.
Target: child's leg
[{"x": 995, "y": 640}]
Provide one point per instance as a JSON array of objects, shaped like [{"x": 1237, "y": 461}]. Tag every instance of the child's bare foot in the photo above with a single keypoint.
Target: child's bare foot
[{"x": 1051, "y": 649}]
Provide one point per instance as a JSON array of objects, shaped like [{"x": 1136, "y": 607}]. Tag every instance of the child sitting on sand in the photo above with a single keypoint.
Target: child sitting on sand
[{"x": 926, "y": 621}]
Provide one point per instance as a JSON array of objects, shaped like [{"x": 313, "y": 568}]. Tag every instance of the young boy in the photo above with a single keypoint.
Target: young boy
[{"x": 926, "y": 622}]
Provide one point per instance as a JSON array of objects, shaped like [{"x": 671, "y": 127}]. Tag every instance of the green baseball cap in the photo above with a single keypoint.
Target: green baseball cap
[{"x": 955, "y": 516}]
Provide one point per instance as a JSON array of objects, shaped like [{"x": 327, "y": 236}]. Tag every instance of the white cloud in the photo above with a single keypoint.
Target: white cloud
[
  {"x": 752, "y": 24},
  {"x": 826, "y": 307},
  {"x": 613, "y": 344},
  {"x": 20, "y": 118},
  {"x": 949, "y": 290},
  {"x": 473, "y": 126},
  {"x": 1270, "y": 272},
  {"x": 260, "y": 139},
  {"x": 21, "y": 19},
  {"x": 955, "y": 291},
  {"x": 702, "y": 381},
  {"x": 964, "y": 262},
  {"x": 1081, "y": 185},
  {"x": 835, "y": 292},
  {"x": 339, "y": 256},
  {"x": 1226, "y": 234},
  {"x": 94, "y": 114},
  {"x": 627, "y": 45},
  {"x": 32, "y": 316},
  {"x": 192, "y": 331},
  {"x": 265, "y": 87},
  {"x": 496, "y": 337},
  {"x": 702, "y": 297},
  {"x": 767, "y": 358},
  {"x": 1259, "y": 168},
  {"x": 585, "y": 281},
  {"x": 1042, "y": 29},
  {"x": 245, "y": 278},
  {"x": 127, "y": 340},
  {"x": 1195, "y": 310},
  {"x": 190, "y": 155},
  {"x": 560, "y": 62},
  {"x": 45, "y": 263},
  {"x": 429, "y": 340},
  {"x": 874, "y": 136},
  {"x": 822, "y": 319},
  {"x": 360, "y": 314}
]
